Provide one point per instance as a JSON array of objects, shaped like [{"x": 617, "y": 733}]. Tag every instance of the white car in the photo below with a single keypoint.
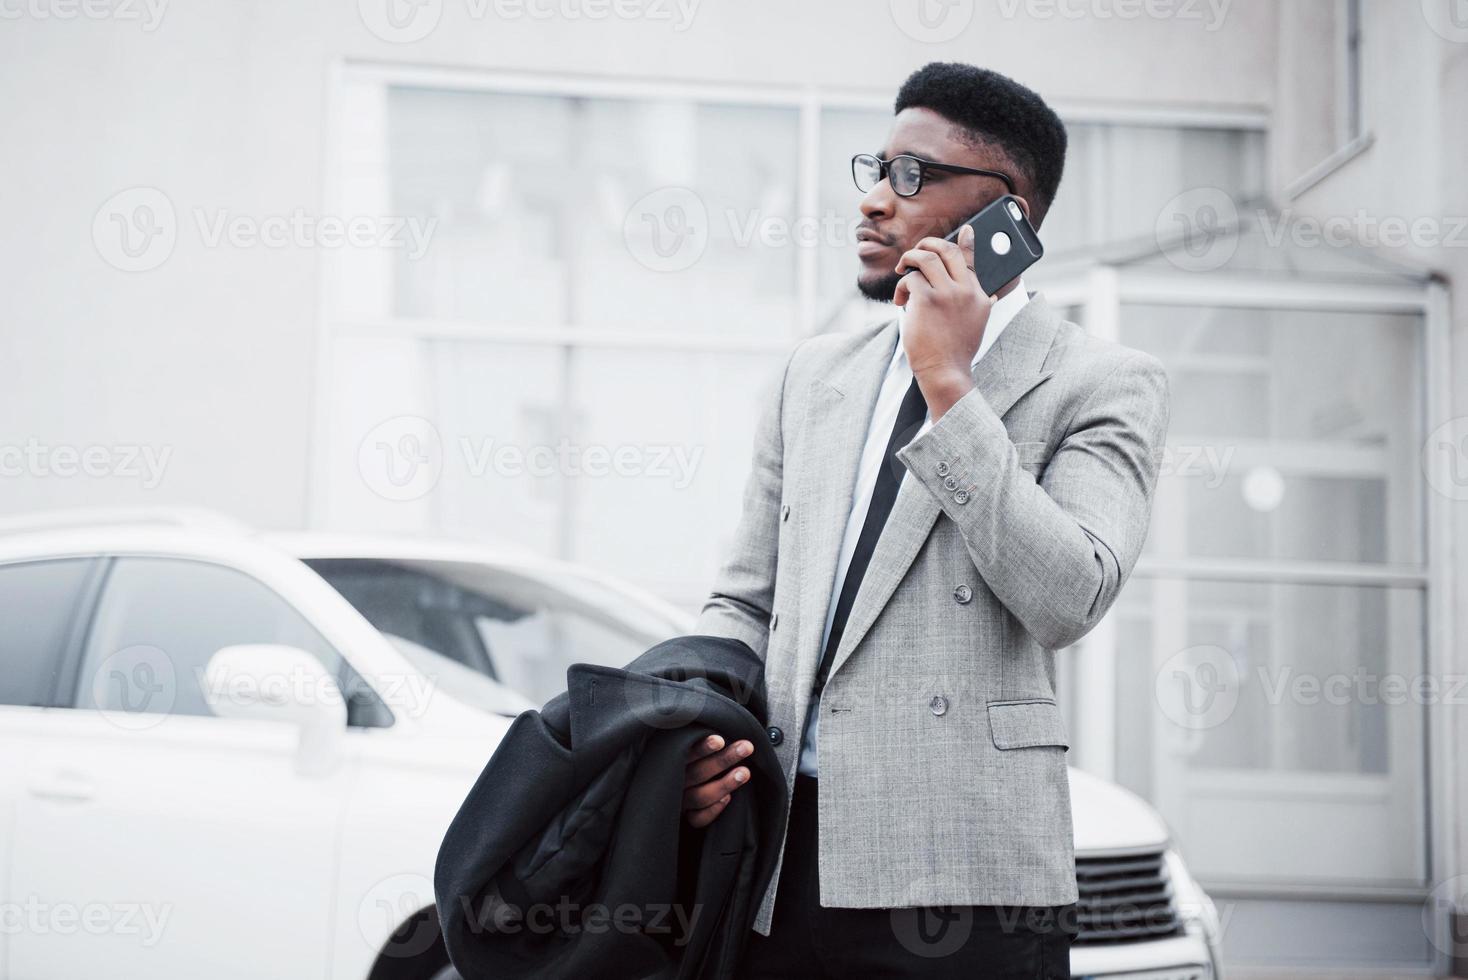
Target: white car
[{"x": 231, "y": 754}]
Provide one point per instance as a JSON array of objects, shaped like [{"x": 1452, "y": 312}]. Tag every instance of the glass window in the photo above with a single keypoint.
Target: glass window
[
  {"x": 1274, "y": 634},
  {"x": 508, "y": 629},
  {"x": 1119, "y": 178},
  {"x": 161, "y": 620},
  {"x": 39, "y": 606},
  {"x": 1294, "y": 434},
  {"x": 549, "y": 210},
  {"x": 1286, "y": 706}
]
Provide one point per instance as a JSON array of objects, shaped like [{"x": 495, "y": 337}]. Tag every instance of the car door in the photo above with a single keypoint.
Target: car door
[
  {"x": 175, "y": 842},
  {"x": 40, "y": 609}
]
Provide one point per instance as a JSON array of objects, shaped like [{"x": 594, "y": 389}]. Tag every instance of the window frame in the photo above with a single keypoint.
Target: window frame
[{"x": 1102, "y": 291}]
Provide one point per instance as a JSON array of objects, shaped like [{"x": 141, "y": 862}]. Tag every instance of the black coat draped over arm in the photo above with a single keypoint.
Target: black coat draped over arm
[{"x": 571, "y": 858}]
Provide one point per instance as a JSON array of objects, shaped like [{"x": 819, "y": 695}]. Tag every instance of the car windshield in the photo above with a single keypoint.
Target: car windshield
[{"x": 465, "y": 623}]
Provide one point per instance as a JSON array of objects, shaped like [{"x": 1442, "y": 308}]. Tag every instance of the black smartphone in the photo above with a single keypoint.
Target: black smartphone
[{"x": 1005, "y": 243}]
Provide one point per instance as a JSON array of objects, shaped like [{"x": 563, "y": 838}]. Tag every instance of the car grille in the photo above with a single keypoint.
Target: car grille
[{"x": 1125, "y": 898}]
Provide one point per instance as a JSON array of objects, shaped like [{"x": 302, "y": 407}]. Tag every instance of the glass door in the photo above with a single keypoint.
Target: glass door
[{"x": 1270, "y": 651}]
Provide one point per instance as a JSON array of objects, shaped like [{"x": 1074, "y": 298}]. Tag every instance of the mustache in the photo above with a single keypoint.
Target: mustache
[{"x": 897, "y": 230}]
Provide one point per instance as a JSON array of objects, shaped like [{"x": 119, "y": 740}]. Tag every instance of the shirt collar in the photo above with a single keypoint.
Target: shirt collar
[{"x": 1004, "y": 310}]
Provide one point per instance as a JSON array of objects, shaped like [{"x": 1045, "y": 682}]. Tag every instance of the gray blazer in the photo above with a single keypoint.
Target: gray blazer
[{"x": 942, "y": 749}]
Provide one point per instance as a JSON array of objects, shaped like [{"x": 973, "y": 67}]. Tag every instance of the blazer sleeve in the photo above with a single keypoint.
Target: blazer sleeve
[
  {"x": 744, "y": 587},
  {"x": 1056, "y": 553}
]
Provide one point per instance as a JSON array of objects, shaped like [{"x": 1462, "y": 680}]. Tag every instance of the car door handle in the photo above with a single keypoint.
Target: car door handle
[{"x": 72, "y": 787}]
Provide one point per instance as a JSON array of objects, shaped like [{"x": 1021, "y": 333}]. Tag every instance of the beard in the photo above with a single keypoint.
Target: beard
[{"x": 880, "y": 289}]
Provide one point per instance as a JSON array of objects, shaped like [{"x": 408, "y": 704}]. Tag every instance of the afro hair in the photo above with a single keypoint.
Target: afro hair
[{"x": 995, "y": 110}]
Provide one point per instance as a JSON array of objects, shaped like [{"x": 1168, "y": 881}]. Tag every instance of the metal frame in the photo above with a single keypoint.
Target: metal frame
[{"x": 1442, "y": 787}]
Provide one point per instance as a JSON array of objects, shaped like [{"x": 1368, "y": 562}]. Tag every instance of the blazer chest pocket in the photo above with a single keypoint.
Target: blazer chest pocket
[{"x": 1021, "y": 724}]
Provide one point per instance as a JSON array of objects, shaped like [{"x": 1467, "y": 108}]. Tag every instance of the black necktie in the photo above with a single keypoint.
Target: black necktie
[{"x": 909, "y": 418}]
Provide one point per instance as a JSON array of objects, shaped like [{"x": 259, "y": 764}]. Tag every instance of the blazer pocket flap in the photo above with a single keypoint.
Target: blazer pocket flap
[
  {"x": 1020, "y": 724},
  {"x": 1031, "y": 455}
]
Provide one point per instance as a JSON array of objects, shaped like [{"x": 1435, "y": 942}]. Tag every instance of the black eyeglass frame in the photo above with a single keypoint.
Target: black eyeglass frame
[{"x": 884, "y": 165}]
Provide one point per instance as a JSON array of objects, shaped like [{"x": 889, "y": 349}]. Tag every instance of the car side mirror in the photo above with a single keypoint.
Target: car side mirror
[{"x": 274, "y": 682}]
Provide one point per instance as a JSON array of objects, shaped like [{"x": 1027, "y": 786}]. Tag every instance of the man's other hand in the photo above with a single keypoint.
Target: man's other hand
[{"x": 712, "y": 776}]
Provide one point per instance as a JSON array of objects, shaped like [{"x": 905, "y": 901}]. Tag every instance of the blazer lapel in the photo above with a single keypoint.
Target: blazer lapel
[
  {"x": 841, "y": 407},
  {"x": 1009, "y": 369}
]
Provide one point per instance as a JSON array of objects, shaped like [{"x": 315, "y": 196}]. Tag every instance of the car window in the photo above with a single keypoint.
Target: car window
[
  {"x": 474, "y": 688},
  {"x": 531, "y": 652},
  {"x": 39, "y": 604},
  {"x": 159, "y": 622},
  {"x": 515, "y": 629}
]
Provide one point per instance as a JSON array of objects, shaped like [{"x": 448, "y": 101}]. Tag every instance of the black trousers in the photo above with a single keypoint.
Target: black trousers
[{"x": 974, "y": 942}]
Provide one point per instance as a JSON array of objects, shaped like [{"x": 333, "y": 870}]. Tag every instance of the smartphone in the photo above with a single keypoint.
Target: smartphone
[{"x": 1005, "y": 243}]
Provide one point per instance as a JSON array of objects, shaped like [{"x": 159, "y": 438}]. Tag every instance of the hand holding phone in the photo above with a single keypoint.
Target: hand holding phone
[
  {"x": 1005, "y": 243},
  {"x": 946, "y": 314}
]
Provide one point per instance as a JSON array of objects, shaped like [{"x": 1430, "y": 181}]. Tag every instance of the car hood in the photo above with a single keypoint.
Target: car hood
[{"x": 1109, "y": 818}]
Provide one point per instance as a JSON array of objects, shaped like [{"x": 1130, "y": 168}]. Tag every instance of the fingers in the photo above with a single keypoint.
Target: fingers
[
  {"x": 712, "y": 776},
  {"x": 708, "y": 793},
  {"x": 707, "y": 747},
  {"x": 702, "y": 770},
  {"x": 705, "y": 816},
  {"x": 966, "y": 246},
  {"x": 958, "y": 264},
  {"x": 926, "y": 261}
]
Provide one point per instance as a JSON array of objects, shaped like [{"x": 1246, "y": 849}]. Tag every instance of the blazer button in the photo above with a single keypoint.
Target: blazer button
[
  {"x": 951, "y": 483},
  {"x": 776, "y": 736},
  {"x": 785, "y": 512},
  {"x": 774, "y": 620},
  {"x": 961, "y": 496},
  {"x": 963, "y": 593},
  {"x": 942, "y": 467},
  {"x": 939, "y": 705}
]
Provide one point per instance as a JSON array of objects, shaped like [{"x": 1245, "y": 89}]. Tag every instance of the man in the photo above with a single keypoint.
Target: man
[{"x": 935, "y": 506}]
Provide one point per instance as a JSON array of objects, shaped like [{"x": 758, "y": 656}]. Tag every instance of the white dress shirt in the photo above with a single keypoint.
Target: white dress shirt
[{"x": 894, "y": 388}]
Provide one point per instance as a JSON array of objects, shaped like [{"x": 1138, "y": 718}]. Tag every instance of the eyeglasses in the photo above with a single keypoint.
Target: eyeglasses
[{"x": 906, "y": 172}]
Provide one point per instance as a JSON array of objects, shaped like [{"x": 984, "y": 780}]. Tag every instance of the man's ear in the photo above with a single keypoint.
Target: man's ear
[{"x": 1024, "y": 206}]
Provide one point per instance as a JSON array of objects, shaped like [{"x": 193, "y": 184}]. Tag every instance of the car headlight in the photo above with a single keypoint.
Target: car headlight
[{"x": 1194, "y": 907}]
